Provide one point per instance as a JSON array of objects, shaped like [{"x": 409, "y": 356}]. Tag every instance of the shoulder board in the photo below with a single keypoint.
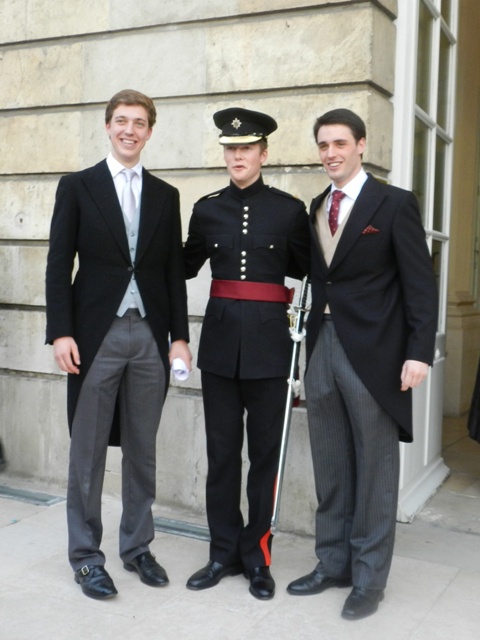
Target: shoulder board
[
  {"x": 283, "y": 193},
  {"x": 214, "y": 194}
]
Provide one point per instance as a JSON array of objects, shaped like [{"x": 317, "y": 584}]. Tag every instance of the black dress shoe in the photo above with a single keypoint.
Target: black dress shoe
[
  {"x": 361, "y": 603},
  {"x": 262, "y": 585},
  {"x": 315, "y": 582},
  {"x": 211, "y": 574},
  {"x": 95, "y": 582},
  {"x": 148, "y": 569}
]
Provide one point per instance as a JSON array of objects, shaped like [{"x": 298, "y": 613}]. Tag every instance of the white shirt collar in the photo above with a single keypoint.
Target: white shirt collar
[
  {"x": 353, "y": 188},
  {"x": 117, "y": 167}
]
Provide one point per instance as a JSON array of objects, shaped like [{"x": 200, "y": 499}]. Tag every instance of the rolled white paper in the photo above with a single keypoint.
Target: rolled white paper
[{"x": 180, "y": 369}]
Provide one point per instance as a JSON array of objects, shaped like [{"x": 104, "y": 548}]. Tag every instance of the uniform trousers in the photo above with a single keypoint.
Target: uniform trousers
[
  {"x": 355, "y": 454},
  {"x": 225, "y": 403},
  {"x": 127, "y": 366}
]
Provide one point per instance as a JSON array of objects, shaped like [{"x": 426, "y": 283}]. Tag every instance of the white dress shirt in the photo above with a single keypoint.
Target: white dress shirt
[
  {"x": 119, "y": 179},
  {"x": 351, "y": 191}
]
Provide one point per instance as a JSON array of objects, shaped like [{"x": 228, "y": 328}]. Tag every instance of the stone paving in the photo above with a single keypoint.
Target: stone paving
[{"x": 433, "y": 592}]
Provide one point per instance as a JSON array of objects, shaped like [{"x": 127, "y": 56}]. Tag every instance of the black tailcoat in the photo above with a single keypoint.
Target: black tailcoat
[
  {"x": 88, "y": 223},
  {"x": 382, "y": 293}
]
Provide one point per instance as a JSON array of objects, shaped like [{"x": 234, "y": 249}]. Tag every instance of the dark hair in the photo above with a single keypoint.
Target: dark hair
[
  {"x": 131, "y": 98},
  {"x": 345, "y": 117}
]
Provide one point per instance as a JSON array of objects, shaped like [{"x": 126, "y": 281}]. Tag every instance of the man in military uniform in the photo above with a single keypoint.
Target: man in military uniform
[{"x": 253, "y": 236}]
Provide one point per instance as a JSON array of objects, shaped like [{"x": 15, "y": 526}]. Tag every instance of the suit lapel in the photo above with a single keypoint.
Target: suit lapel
[
  {"x": 367, "y": 203},
  {"x": 99, "y": 184},
  {"x": 316, "y": 203},
  {"x": 152, "y": 205}
]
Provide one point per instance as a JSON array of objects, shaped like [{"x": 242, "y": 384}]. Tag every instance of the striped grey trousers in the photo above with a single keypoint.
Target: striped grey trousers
[{"x": 355, "y": 455}]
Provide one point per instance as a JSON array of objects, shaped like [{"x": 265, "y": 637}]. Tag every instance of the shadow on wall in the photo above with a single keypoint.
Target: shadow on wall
[{"x": 2, "y": 458}]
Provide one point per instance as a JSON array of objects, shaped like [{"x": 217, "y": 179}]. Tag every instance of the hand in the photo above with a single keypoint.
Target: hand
[
  {"x": 66, "y": 354},
  {"x": 180, "y": 349},
  {"x": 413, "y": 374}
]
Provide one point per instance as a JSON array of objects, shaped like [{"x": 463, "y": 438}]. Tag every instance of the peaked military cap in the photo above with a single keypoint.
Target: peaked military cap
[{"x": 243, "y": 126}]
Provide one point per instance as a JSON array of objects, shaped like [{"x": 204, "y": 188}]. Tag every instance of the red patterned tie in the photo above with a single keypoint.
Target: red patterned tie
[{"x": 337, "y": 196}]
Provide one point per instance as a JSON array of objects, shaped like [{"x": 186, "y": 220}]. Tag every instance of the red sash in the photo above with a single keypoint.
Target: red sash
[{"x": 243, "y": 290}]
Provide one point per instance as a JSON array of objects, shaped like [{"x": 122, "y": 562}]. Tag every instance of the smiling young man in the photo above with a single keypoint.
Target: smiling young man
[
  {"x": 370, "y": 340},
  {"x": 254, "y": 236},
  {"x": 110, "y": 330}
]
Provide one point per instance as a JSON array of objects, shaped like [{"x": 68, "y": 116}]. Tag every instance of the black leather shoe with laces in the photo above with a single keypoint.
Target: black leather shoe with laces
[
  {"x": 361, "y": 603},
  {"x": 148, "y": 569},
  {"x": 315, "y": 582}
]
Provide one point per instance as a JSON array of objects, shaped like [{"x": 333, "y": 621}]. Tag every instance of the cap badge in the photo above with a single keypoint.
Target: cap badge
[{"x": 236, "y": 124}]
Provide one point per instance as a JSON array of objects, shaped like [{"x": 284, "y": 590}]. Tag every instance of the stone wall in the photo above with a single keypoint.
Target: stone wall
[{"x": 59, "y": 64}]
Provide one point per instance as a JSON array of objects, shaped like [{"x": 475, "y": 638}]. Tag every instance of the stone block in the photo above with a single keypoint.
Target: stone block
[
  {"x": 132, "y": 13},
  {"x": 45, "y": 75},
  {"x": 22, "y": 338},
  {"x": 383, "y": 34},
  {"x": 39, "y": 19},
  {"x": 280, "y": 52},
  {"x": 22, "y": 275},
  {"x": 33, "y": 427},
  {"x": 181, "y": 453},
  {"x": 177, "y": 63},
  {"x": 31, "y": 142},
  {"x": 27, "y": 205}
]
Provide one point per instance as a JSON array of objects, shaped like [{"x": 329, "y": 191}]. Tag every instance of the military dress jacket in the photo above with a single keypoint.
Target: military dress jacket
[{"x": 256, "y": 234}]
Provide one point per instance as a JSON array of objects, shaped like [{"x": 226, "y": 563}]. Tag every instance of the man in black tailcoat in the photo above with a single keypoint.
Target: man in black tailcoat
[
  {"x": 370, "y": 340},
  {"x": 110, "y": 329}
]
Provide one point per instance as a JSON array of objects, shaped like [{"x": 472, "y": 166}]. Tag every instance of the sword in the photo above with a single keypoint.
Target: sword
[{"x": 297, "y": 334}]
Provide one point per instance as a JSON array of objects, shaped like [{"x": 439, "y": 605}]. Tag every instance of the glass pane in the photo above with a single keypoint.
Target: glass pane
[
  {"x": 424, "y": 53},
  {"x": 443, "y": 81},
  {"x": 446, "y": 10},
  {"x": 420, "y": 158},
  {"x": 440, "y": 178}
]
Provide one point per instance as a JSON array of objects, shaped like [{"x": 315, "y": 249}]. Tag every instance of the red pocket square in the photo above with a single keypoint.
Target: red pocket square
[{"x": 369, "y": 230}]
